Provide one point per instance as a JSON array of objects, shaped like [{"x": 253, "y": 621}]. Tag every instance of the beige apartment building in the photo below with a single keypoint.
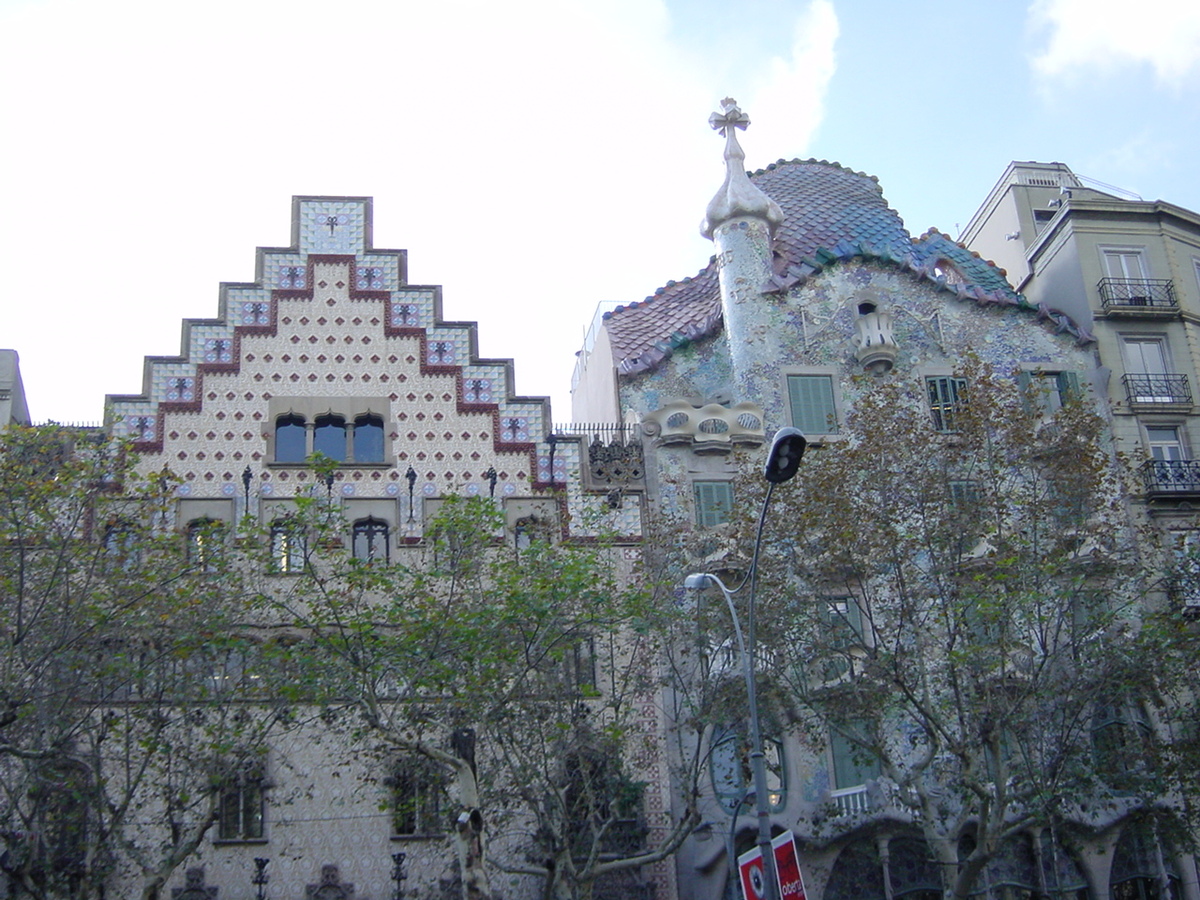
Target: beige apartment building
[{"x": 1128, "y": 271}]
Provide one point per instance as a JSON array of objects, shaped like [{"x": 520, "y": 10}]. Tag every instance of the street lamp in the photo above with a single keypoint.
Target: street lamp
[{"x": 782, "y": 464}]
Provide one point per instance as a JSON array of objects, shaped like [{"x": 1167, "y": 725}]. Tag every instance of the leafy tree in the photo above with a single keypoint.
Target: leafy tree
[
  {"x": 514, "y": 667},
  {"x": 963, "y": 611},
  {"x": 119, "y": 720}
]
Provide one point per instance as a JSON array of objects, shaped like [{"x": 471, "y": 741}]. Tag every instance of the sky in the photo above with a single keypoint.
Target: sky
[{"x": 536, "y": 158}]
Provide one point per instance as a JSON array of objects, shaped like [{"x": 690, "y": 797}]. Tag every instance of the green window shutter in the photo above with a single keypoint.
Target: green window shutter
[
  {"x": 811, "y": 398},
  {"x": 714, "y": 503},
  {"x": 1068, "y": 386}
]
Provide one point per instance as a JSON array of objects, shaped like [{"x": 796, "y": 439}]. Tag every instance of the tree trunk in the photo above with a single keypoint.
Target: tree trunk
[{"x": 468, "y": 832}]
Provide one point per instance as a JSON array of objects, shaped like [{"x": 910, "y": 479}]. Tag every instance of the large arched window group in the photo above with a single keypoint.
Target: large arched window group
[{"x": 351, "y": 440}]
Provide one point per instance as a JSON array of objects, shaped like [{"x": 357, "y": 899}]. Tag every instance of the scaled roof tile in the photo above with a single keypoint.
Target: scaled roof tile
[{"x": 831, "y": 213}]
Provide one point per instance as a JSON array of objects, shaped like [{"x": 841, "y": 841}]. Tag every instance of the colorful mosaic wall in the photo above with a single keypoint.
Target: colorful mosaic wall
[{"x": 334, "y": 318}]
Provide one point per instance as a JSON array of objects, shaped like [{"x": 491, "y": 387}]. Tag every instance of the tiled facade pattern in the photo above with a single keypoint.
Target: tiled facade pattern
[{"x": 333, "y": 325}]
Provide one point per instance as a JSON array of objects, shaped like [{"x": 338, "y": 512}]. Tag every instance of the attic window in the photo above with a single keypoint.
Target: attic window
[
  {"x": 865, "y": 309},
  {"x": 947, "y": 272}
]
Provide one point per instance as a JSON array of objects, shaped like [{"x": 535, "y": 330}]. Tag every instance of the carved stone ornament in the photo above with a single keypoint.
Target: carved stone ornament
[
  {"x": 711, "y": 428},
  {"x": 876, "y": 345},
  {"x": 194, "y": 887},
  {"x": 331, "y": 887}
]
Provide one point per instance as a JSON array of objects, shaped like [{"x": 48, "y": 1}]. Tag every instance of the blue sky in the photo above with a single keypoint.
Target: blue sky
[{"x": 535, "y": 157}]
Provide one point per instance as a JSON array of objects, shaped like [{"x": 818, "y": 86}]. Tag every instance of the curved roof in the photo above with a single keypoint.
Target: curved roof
[{"x": 831, "y": 213}]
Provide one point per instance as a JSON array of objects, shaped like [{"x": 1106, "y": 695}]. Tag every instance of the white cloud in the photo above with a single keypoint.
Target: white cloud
[
  {"x": 1103, "y": 35},
  {"x": 787, "y": 104}
]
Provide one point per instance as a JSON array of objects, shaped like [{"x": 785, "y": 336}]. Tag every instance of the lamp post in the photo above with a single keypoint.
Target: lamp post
[
  {"x": 782, "y": 463},
  {"x": 261, "y": 877}
]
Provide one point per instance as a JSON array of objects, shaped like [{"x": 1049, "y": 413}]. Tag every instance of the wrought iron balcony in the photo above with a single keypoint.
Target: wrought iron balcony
[
  {"x": 1137, "y": 296},
  {"x": 1164, "y": 478},
  {"x": 1157, "y": 390}
]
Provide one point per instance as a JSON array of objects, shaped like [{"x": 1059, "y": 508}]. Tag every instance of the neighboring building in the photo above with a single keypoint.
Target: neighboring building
[
  {"x": 1128, "y": 270},
  {"x": 815, "y": 283},
  {"x": 13, "y": 410},
  {"x": 332, "y": 350}
]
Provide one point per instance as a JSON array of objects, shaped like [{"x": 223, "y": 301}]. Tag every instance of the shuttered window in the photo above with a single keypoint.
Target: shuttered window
[
  {"x": 714, "y": 503},
  {"x": 813, "y": 409}
]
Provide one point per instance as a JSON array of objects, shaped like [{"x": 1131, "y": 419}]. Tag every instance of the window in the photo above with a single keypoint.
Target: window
[
  {"x": 418, "y": 797},
  {"x": 288, "y": 546},
  {"x": 1138, "y": 865},
  {"x": 853, "y": 765},
  {"x": 291, "y": 439},
  {"x": 368, "y": 439},
  {"x": 1120, "y": 741},
  {"x": 714, "y": 503},
  {"x": 812, "y": 404},
  {"x": 1047, "y": 392},
  {"x": 205, "y": 543},
  {"x": 1145, "y": 355},
  {"x": 842, "y": 633},
  {"x": 1164, "y": 443},
  {"x": 121, "y": 544},
  {"x": 946, "y": 399},
  {"x": 732, "y": 774},
  {"x": 370, "y": 540},
  {"x": 1125, "y": 263},
  {"x": 241, "y": 806},
  {"x": 570, "y": 670},
  {"x": 357, "y": 440},
  {"x": 329, "y": 437}
]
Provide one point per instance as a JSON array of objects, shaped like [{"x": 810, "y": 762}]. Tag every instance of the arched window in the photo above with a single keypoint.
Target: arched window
[
  {"x": 121, "y": 544},
  {"x": 329, "y": 437},
  {"x": 288, "y": 546},
  {"x": 205, "y": 543},
  {"x": 732, "y": 775},
  {"x": 368, "y": 439},
  {"x": 1141, "y": 863},
  {"x": 290, "y": 443},
  {"x": 370, "y": 540}
]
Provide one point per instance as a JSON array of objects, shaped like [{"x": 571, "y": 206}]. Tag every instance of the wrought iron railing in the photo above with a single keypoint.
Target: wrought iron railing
[
  {"x": 1157, "y": 389},
  {"x": 1171, "y": 477},
  {"x": 1151, "y": 294},
  {"x": 605, "y": 431}
]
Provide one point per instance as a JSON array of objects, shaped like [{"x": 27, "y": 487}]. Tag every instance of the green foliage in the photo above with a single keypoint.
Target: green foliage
[
  {"x": 532, "y": 649},
  {"x": 121, "y": 672},
  {"x": 956, "y": 606}
]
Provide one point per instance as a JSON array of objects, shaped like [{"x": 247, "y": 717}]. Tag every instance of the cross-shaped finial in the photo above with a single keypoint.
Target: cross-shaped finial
[{"x": 730, "y": 115}]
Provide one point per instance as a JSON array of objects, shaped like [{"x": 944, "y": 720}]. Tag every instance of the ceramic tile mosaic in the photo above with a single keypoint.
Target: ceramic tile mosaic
[
  {"x": 412, "y": 309},
  {"x": 332, "y": 226},
  {"x": 285, "y": 271},
  {"x": 385, "y": 272}
]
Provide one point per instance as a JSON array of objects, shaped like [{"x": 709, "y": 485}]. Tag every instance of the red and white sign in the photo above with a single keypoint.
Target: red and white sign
[{"x": 787, "y": 865}]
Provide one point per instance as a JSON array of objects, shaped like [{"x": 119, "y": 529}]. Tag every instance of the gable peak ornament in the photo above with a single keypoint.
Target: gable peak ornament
[{"x": 738, "y": 197}]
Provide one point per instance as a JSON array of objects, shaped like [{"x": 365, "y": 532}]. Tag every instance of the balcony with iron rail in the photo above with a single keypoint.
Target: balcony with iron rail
[
  {"x": 1157, "y": 391},
  {"x": 1166, "y": 479},
  {"x": 1154, "y": 297}
]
